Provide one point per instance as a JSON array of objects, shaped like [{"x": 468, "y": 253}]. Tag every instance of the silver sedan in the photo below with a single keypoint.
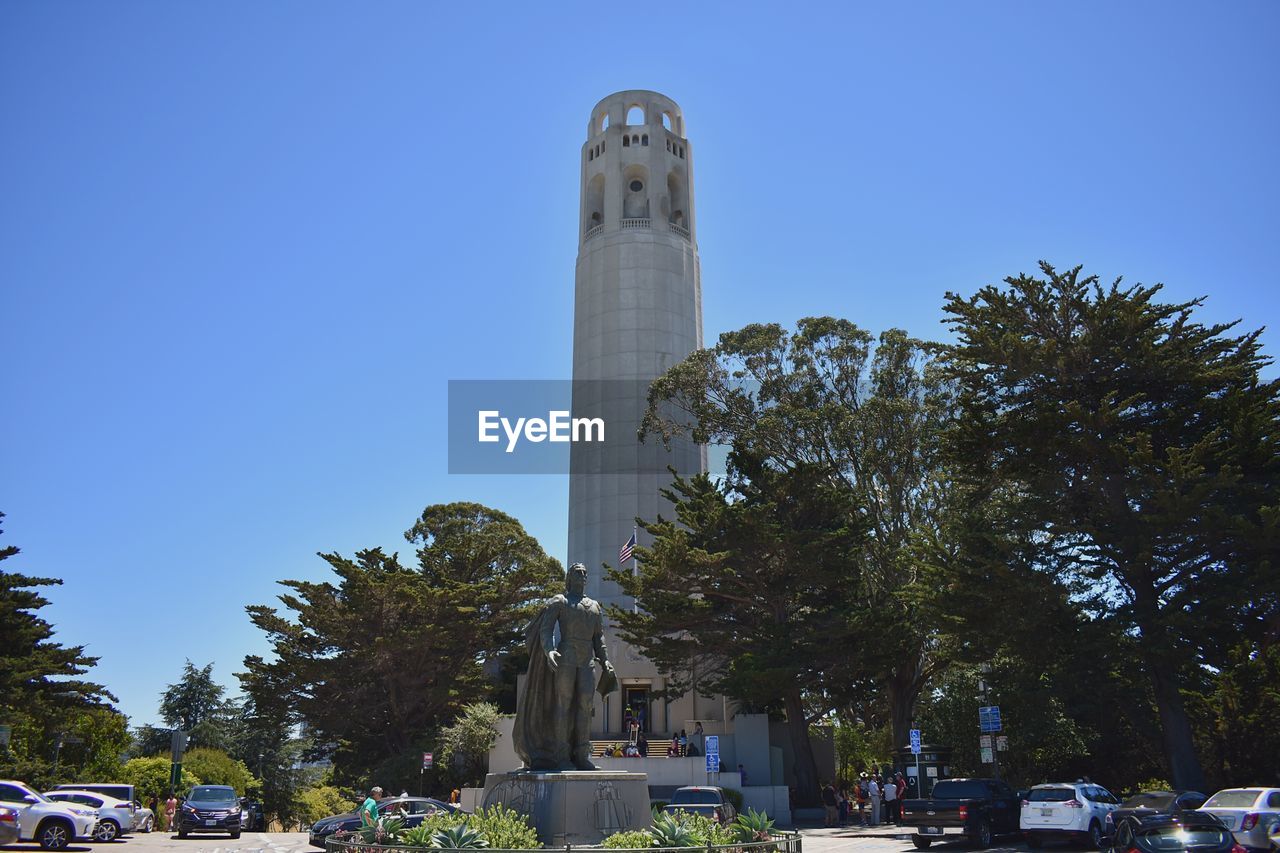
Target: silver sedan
[{"x": 1249, "y": 813}]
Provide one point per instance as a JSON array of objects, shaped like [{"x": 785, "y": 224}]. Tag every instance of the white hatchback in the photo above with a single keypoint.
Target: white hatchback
[
  {"x": 1077, "y": 809},
  {"x": 1250, "y": 813}
]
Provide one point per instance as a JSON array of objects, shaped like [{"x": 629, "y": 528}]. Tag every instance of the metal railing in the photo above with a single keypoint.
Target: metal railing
[
  {"x": 678, "y": 229},
  {"x": 638, "y": 222},
  {"x": 593, "y": 231}
]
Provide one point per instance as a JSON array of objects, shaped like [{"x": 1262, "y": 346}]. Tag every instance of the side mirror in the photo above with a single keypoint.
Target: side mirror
[{"x": 30, "y": 800}]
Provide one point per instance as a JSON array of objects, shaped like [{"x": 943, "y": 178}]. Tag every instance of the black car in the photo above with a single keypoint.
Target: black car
[
  {"x": 1199, "y": 832},
  {"x": 252, "y": 818},
  {"x": 414, "y": 810},
  {"x": 210, "y": 808},
  {"x": 1137, "y": 808}
]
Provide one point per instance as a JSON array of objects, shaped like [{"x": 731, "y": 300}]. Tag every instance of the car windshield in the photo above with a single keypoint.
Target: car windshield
[
  {"x": 1051, "y": 795},
  {"x": 1182, "y": 837},
  {"x": 699, "y": 798},
  {"x": 1154, "y": 800},
  {"x": 970, "y": 789},
  {"x": 213, "y": 794},
  {"x": 1237, "y": 799}
]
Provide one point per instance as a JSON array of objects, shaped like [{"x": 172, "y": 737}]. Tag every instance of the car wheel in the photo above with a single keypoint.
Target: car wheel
[
  {"x": 1095, "y": 835},
  {"x": 1034, "y": 841},
  {"x": 107, "y": 831},
  {"x": 54, "y": 834},
  {"x": 981, "y": 837},
  {"x": 182, "y": 833},
  {"x": 235, "y": 834},
  {"x": 149, "y": 824},
  {"x": 921, "y": 842}
]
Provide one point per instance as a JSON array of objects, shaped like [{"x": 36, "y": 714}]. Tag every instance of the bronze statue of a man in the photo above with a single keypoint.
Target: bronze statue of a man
[{"x": 553, "y": 716}]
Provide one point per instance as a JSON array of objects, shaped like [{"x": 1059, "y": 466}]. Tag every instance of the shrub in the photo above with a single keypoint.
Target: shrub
[
  {"x": 505, "y": 828},
  {"x": 752, "y": 826},
  {"x": 630, "y": 839},
  {"x": 321, "y": 801},
  {"x": 702, "y": 829},
  {"x": 667, "y": 831},
  {"x": 385, "y": 831}
]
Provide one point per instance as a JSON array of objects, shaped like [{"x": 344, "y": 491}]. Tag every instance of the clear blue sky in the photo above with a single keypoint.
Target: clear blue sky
[{"x": 243, "y": 246}]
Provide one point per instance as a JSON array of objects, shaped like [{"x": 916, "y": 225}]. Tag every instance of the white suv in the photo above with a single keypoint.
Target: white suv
[
  {"x": 115, "y": 817},
  {"x": 54, "y": 825},
  {"x": 1078, "y": 809}
]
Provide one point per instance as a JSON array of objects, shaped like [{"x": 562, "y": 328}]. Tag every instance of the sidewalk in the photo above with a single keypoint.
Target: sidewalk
[{"x": 853, "y": 830}]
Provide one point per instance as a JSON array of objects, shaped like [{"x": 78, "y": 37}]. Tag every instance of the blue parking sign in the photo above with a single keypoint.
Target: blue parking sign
[
  {"x": 713, "y": 762},
  {"x": 915, "y": 741}
]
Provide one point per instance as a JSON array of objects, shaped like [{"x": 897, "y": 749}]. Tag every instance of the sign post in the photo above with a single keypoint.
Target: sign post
[
  {"x": 989, "y": 723},
  {"x": 915, "y": 749},
  {"x": 427, "y": 760},
  {"x": 712, "y": 745}
]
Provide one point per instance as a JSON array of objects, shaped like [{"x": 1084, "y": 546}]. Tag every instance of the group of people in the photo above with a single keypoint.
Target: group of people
[
  {"x": 877, "y": 798},
  {"x": 638, "y": 748}
]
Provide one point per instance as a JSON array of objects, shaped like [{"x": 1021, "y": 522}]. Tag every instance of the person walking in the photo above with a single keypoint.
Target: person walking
[
  {"x": 369, "y": 808},
  {"x": 873, "y": 794}
]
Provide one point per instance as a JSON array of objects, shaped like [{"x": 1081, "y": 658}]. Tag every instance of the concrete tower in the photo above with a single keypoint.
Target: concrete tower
[{"x": 637, "y": 312}]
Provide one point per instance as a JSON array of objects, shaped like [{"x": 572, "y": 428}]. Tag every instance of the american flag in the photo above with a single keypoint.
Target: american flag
[{"x": 625, "y": 553}]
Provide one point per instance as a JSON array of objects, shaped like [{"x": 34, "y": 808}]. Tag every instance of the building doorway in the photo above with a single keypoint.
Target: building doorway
[{"x": 636, "y": 716}]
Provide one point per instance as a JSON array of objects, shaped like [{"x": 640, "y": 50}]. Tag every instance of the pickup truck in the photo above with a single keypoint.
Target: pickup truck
[{"x": 978, "y": 809}]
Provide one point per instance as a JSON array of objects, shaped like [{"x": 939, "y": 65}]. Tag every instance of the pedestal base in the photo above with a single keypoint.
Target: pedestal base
[{"x": 573, "y": 806}]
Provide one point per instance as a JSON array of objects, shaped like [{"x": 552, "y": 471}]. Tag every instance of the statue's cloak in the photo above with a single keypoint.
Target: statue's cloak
[{"x": 534, "y": 733}]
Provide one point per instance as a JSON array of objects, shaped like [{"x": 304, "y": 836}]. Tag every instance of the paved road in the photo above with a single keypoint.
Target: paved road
[{"x": 818, "y": 840}]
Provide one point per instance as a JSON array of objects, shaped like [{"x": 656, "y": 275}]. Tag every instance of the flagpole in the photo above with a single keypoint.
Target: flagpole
[{"x": 635, "y": 568}]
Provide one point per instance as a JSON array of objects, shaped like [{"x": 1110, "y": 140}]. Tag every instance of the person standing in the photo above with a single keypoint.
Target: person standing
[
  {"x": 873, "y": 794},
  {"x": 170, "y": 809},
  {"x": 860, "y": 795},
  {"x": 828, "y": 805},
  {"x": 890, "y": 799},
  {"x": 902, "y": 794},
  {"x": 369, "y": 808}
]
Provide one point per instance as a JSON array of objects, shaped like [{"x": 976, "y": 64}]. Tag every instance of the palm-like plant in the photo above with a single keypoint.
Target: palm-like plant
[
  {"x": 385, "y": 831},
  {"x": 460, "y": 837}
]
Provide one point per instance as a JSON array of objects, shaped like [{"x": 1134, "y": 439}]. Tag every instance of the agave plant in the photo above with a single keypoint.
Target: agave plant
[
  {"x": 753, "y": 826},
  {"x": 667, "y": 831},
  {"x": 385, "y": 831},
  {"x": 460, "y": 837}
]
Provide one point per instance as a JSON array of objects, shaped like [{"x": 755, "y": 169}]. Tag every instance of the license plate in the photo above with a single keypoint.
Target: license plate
[
  {"x": 1046, "y": 813},
  {"x": 930, "y": 830},
  {"x": 210, "y": 823}
]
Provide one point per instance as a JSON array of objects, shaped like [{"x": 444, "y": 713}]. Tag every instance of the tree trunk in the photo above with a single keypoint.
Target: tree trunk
[
  {"x": 1179, "y": 746},
  {"x": 804, "y": 766},
  {"x": 904, "y": 689}
]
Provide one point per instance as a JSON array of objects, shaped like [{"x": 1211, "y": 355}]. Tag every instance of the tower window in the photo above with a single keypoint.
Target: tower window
[
  {"x": 644, "y": 140},
  {"x": 635, "y": 114},
  {"x": 591, "y": 154},
  {"x": 626, "y": 143},
  {"x": 636, "y": 186}
]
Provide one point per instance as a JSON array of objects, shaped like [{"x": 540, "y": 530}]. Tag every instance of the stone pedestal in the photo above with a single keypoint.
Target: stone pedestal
[{"x": 573, "y": 806}]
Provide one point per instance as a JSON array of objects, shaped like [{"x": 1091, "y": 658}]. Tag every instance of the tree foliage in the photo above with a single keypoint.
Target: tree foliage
[
  {"x": 215, "y": 767},
  {"x": 377, "y": 662},
  {"x": 1131, "y": 450},
  {"x": 42, "y": 696},
  {"x": 150, "y": 777},
  {"x": 465, "y": 743}
]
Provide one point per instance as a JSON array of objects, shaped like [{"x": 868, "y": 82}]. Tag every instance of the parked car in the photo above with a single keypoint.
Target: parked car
[
  {"x": 8, "y": 825},
  {"x": 210, "y": 808},
  {"x": 976, "y": 809},
  {"x": 704, "y": 800},
  {"x": 52, "y": 825},
  {"x": 115, "y": 817},
  {"x": 1249, "y": 813},
  {"x": 1181, "y": 831},
  {"x": 415, "y": 810},
  {"x": 144, "y": 820},
  {"x": 1119, "y": 823},
  {"x": 252, "y": 817},
  {"x": 1073, "y": 809}
]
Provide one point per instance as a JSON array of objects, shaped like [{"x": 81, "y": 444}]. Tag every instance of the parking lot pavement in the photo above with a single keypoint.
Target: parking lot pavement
[
  {"x": 888, "y": 840},
  {"x": 161, "y": 842}
]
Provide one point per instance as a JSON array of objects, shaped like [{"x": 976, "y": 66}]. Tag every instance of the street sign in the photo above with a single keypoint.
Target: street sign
[
  {"x": 427, "y": 759},
  {"x": 712, "y": 746},
  {"x": 1002, "y": 744},
  {"x": 987, "y": 757},
  {"x": 915, "y": 741},
  {"x": 5, "y": 732},
  {"x": 984, "y": 742},
  {"x": 989, "y": 718},
  {"x": 713, "y": 762}
]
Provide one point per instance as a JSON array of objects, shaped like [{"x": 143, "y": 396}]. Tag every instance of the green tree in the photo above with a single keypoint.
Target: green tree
[
  {"x": 321, "y": 801},
  {"x": 749, "y": 591},
  {"x": 150, "y": 777},
  {"x": 215, "y": 767},
  {"x": 195, "y": 704},
  {"x": 40, "y": 688},
  {"x": 1135, "y": 448},
  {"x": 867, "y": 415},
  {"x": 465, "y": 743},
  {"x": 1246, "y": 699},
  {"x": 375, "y": 664}
]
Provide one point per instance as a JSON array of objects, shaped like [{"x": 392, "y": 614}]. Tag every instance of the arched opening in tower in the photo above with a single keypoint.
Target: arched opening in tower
[
  {"x": 677, "y": 199},
  {"x": 593, "y": 210},
  {"x": 635, "y": 195}
]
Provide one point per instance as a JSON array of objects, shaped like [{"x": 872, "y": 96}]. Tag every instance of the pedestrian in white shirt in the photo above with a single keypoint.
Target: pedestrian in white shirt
[
  {"x": 874, "y": 790},
  {"x": 890, "y": 799}
]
